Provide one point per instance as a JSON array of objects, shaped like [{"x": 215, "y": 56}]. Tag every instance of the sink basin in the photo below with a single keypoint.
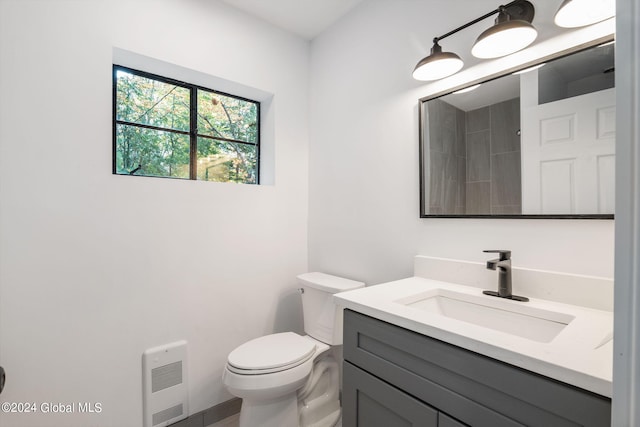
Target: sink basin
[
  {"x": 515, "y": 318},
  {"x": 571, "y": 343}
]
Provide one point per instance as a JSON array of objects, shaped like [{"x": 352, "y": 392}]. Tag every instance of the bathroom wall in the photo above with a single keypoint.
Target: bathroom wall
[
  {"x": 364, "y": 197},
  {"x": 96, "y": 268}
]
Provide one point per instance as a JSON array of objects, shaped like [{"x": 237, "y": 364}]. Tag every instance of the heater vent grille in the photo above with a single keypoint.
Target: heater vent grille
[
  {"x": 166, "y": 376},
  {"x": 167, "y": 414}
]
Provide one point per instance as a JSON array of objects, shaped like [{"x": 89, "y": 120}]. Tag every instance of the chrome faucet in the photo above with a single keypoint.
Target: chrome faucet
[{"x": 503, "y": 265}]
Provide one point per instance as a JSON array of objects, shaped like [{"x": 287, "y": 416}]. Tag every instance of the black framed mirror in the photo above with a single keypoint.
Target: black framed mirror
[{"x": 538, "y": 142}]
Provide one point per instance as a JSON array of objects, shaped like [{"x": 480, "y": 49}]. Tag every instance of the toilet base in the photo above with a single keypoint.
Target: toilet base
[
  {"x": 281, "y": 412},
  {"x": 319, "y": 399},
  {"x": 331, "y": 420}
]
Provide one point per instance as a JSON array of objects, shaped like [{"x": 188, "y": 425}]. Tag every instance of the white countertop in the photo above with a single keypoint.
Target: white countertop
[{"x": 580, "y": 355}]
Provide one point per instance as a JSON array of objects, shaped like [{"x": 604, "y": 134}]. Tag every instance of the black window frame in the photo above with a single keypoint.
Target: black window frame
[{"x": 193, "y": 124}]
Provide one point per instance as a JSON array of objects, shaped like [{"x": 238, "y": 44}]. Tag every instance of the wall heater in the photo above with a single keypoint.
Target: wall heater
[{"x": 164, "y": 384}]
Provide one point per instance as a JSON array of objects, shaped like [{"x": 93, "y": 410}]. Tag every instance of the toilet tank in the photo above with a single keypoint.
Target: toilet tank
[{"x": 322, "y": 317}]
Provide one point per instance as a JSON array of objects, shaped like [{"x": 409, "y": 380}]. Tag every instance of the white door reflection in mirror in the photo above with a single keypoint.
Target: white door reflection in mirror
[{"x": 568, "y": 152}]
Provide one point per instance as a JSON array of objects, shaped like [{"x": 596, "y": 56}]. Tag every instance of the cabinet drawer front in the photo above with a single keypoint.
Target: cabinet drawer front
[
  {"x": 474, "y": 389},
  {"x": 370, "y": 402}
]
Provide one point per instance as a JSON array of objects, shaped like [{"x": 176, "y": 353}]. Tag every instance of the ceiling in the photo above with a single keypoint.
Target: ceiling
[
  {"x": 309, "y": 18},
  {"x": 306, "y": 18}
]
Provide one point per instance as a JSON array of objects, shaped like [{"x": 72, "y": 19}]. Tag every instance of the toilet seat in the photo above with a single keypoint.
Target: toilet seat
[{"x": 270, "y": 354}]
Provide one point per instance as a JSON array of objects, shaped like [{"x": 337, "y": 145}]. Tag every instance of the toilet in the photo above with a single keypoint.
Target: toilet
[{"x": 290, "y": 380}]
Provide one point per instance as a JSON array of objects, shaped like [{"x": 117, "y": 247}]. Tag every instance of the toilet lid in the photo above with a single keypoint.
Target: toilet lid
[{"x": 272, "y": 352}]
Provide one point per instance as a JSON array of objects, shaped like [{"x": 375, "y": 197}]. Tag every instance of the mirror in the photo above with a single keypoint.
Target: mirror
[{"x": 539, "y": 143}]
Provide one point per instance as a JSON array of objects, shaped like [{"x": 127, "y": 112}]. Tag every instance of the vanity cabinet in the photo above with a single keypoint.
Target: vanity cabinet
[{"x": 396, "y": 377}]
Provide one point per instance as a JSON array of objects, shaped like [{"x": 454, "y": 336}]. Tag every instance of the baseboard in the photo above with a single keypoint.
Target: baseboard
[{"x": 211, "y": 415}]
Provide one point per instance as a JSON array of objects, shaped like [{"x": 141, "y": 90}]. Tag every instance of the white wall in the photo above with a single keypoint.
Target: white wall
[
  {"x": 364, "y": 201},
  {"x": 96, "y": 268}
]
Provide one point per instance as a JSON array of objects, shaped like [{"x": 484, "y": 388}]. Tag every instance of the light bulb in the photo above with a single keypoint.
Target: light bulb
[
  {"x": 579, "y": 13},
  {"x": 503, "y": 39}
]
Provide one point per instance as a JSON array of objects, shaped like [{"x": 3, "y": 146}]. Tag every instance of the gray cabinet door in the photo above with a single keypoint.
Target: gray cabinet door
[
  {"x": 446, "y": 421},
  {"x": 370, "y": 402},
  {"x": 476, "y": 390}
]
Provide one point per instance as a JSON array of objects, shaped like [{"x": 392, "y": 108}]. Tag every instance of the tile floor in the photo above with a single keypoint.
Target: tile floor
[{"x": 232, "y": 421}]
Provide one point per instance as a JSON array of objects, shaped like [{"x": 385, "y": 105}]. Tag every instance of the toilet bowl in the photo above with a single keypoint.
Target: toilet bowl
[
  {"x": 290, "y": 380},
  {"x": 273, "y": 369}
]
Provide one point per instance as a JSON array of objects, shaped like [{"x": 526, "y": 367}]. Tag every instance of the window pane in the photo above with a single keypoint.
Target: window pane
[
  {"x": 223, "y": 161},
  {"x": 151, "y": 102},
  {"x": 227, "y": 117},
  {"x": 155, "y": 153}
]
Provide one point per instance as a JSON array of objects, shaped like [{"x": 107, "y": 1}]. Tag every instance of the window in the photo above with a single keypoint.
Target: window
[{"x": 167, "y": 128}]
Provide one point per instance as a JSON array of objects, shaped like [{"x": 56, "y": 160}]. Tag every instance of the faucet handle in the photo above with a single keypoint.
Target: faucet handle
[{"x": 504, "y": 255}]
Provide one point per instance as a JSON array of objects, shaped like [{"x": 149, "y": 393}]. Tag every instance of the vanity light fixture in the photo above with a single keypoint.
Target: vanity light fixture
[
  {"x": 579, "y": 13},
  {"x": 505, "y": 37},
  {"x": 511, "y": 32},
  {"x": 438, "y": 64}
]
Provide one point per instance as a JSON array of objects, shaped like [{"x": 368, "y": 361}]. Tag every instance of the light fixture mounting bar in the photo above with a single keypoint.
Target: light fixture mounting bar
[{"x": 525, "y": 14}]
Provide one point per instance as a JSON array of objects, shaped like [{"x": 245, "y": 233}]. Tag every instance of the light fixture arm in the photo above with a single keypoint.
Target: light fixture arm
[{"x": 502, "y": 8}]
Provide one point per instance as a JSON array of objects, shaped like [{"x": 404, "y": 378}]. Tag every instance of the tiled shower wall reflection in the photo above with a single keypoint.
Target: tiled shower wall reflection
[
  {"x": 475, "y": 159},
  {"x": 447, "y": 158}
]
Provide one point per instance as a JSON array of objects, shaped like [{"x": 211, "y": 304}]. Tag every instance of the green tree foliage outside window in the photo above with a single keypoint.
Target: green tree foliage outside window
[{"x": 167, "y": 128}]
